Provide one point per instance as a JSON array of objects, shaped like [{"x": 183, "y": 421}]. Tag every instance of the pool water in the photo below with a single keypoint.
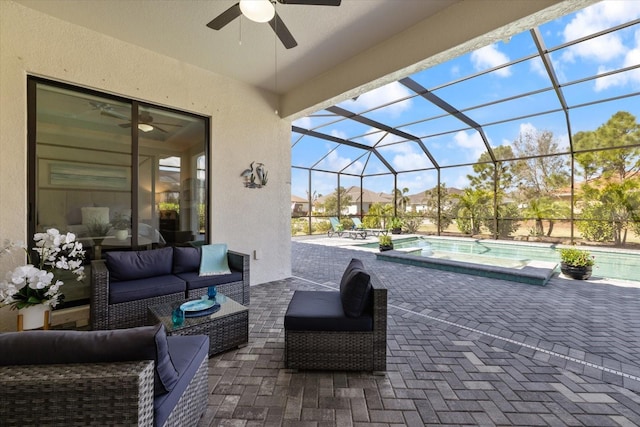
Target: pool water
[{"x": 610, "y": 263}]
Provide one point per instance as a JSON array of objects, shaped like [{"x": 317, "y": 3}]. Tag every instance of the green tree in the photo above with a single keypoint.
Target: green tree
[
  {"x": 473, "y": 206},
  {"x": 377, "y": 214},
  {"x": 489, "y": 176},
  {"x": 611, "y": 191},
  {"x": 540, "y": 171},
  {"x": 402, "y": 200},
  {"x": 447, "y": 207},
  {"x": 331, "y": 202},
  {"x": 507, "y": 220}
]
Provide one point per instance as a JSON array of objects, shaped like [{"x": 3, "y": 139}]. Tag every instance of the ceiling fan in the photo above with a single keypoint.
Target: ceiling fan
[
  {"x": 265, "y": 11},
  {"x": 145, "y": 121}
]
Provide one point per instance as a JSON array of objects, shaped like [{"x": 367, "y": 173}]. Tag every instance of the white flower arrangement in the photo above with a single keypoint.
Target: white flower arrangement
[{"x": 29, "y": 285}]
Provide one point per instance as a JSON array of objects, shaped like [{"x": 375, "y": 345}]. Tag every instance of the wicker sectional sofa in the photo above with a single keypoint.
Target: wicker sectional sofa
[
  {"x": 126, "y": 377},
  {"x": 126, "y": 283}
]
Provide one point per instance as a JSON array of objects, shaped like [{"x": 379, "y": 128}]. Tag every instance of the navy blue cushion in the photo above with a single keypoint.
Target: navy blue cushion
[
  {"x": 195, "y": 281},
  {"x": 132, "y": 290},
  {"x": 186, "y": 259},
  {"x": 322, "y": 311},
  {"x": 132, "y": 265},
  {"x": 187, "y": 353},
  {"x": 355, "y": 288},
  {"x": 118, "y": 345}
]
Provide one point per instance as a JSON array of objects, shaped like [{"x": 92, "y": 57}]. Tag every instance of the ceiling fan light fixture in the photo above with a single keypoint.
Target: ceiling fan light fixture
[
  {"x": 144, "y": 127},
  {"x": 258, "y": 10}
]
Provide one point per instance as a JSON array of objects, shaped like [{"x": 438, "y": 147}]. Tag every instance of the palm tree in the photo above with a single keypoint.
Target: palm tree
[{"x": 402, "y": 201}]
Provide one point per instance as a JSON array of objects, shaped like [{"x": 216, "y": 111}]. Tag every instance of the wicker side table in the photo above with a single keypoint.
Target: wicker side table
[{"x": 227, "y": 328}]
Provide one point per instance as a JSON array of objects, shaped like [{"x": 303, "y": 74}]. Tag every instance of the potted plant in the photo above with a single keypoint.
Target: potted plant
[
  {"x": 121, "y": 223},
  {"x": 386, "y": 244},
  {"x": 34, "y": 288},
  {"x": 576, "y": 263},
  {"x": 395, "y": 225}
]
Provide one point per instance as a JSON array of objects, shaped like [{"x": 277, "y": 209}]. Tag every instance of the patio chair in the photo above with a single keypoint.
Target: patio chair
[
  {"x": 375, "y": 231},
  {"x": 342, "y": 330},
  {"x": 337, "y": 228}
]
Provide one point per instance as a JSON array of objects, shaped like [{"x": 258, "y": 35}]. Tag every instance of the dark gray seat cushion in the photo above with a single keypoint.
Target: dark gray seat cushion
[
  {"x": 355, "y": 289},
  {"x": 118, "y": 345},
  {"x": 134, "y": 265},
  {"x": 195, "y": 281},
  {"x": 322, "y": 311},
  {"x": 187, "y": 353},
  {"x": 133, "y": 290}
]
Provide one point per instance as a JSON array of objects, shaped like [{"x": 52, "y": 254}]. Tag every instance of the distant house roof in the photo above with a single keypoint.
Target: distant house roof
[{"x": 298, "y": 199}]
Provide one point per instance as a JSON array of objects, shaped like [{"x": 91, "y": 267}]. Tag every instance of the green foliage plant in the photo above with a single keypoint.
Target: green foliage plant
[
  {"x": 576, "y": 257},
  {"x": 395, "y": 222},
  {"x": 412, "y": 223},
  {"x": 385, "y": 241}
]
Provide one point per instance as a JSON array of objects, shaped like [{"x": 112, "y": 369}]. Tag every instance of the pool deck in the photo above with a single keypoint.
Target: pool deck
[{"x": 461, "y": 350}]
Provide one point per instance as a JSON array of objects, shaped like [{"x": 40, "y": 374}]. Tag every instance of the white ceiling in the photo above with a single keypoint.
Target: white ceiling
[{"x": 326, "y": 36}]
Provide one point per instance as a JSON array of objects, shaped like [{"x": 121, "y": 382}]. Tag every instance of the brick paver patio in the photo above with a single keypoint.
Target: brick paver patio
[{"x": 462, "y": 350}]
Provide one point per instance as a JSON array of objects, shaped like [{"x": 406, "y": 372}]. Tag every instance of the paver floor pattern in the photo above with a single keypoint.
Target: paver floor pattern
[{"x": 461, "y": 350}]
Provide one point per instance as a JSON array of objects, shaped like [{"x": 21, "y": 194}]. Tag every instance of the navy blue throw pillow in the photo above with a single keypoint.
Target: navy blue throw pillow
[
  {"x": 134, "y": 265},
  {"x": 355, "y": 287},
  {"x": 186, "y": 259}
]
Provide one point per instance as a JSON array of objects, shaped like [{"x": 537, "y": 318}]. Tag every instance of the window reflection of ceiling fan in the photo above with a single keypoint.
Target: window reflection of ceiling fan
[
  {"x": 145, "y": 120},
  {"x": 264, "y": 11}
]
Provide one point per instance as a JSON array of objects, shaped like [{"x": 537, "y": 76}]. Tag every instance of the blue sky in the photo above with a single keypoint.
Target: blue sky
[{"x": 448, "y": 139}]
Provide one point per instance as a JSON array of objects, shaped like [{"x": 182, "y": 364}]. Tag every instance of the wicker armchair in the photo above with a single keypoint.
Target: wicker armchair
[
  {"x": 343, "y": 350},
  {"x": 93, "y": 394}
]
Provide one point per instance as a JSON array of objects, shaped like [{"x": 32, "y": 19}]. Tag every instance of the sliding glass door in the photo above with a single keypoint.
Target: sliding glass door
[{"x": 118, "y": 173}]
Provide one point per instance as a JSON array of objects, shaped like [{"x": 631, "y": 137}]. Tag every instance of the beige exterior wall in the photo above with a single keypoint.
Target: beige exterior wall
[{"x": 244, "y": 128}]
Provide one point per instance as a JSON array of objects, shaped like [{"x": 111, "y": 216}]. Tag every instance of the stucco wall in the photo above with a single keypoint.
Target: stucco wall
[{"x": 244, "y": 128}]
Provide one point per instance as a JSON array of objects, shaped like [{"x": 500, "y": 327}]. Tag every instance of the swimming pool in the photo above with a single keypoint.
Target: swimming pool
[{"x": 610, "y": 263}]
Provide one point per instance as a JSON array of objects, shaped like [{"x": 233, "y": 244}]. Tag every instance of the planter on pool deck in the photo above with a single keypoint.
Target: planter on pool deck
[
  {"x": 579, "y": 273},
  {"x": 385, "y": 247}
]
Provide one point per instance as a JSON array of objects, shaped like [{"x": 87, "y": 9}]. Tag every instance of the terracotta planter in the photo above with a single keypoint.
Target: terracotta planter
[{"x": 579, "y": 273}]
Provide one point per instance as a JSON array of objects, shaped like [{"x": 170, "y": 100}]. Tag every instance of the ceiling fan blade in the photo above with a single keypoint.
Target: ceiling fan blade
[
  {"x": 225, "y": 17},
  {"x": 166, "y": 124},
  {"x": 159, "y": 128},
  {"x": 125, "y": 125},
  {"x": 113, "y": 114},
  {"x": 312, "y": 2},
  {"x": 282, "y": 32}
]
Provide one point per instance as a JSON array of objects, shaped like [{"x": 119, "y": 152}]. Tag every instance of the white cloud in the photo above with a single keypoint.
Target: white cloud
[
  {"x": 536, "y": 66},
  {"x": 595, "y": 18},
  {"x": 526, "y": 128},
  {"x": 381, "y": 96},
  {"x": 303, "y": 122},
  {"x": 632, "y": 57},
  {"x": 338, "y": 134},
  {"x": 471, "y": 142},
  {"x": 489, "y": 57},
  {"x": 334, "y": 162}
]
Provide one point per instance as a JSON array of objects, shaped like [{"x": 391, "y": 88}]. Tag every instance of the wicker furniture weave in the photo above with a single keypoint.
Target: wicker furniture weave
[
  {"x": 134, "y": 313},
  {"x": 342, "y": 351},
  {"x": 97, "y": 394},
  {"x": 227, "y": 328}
]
